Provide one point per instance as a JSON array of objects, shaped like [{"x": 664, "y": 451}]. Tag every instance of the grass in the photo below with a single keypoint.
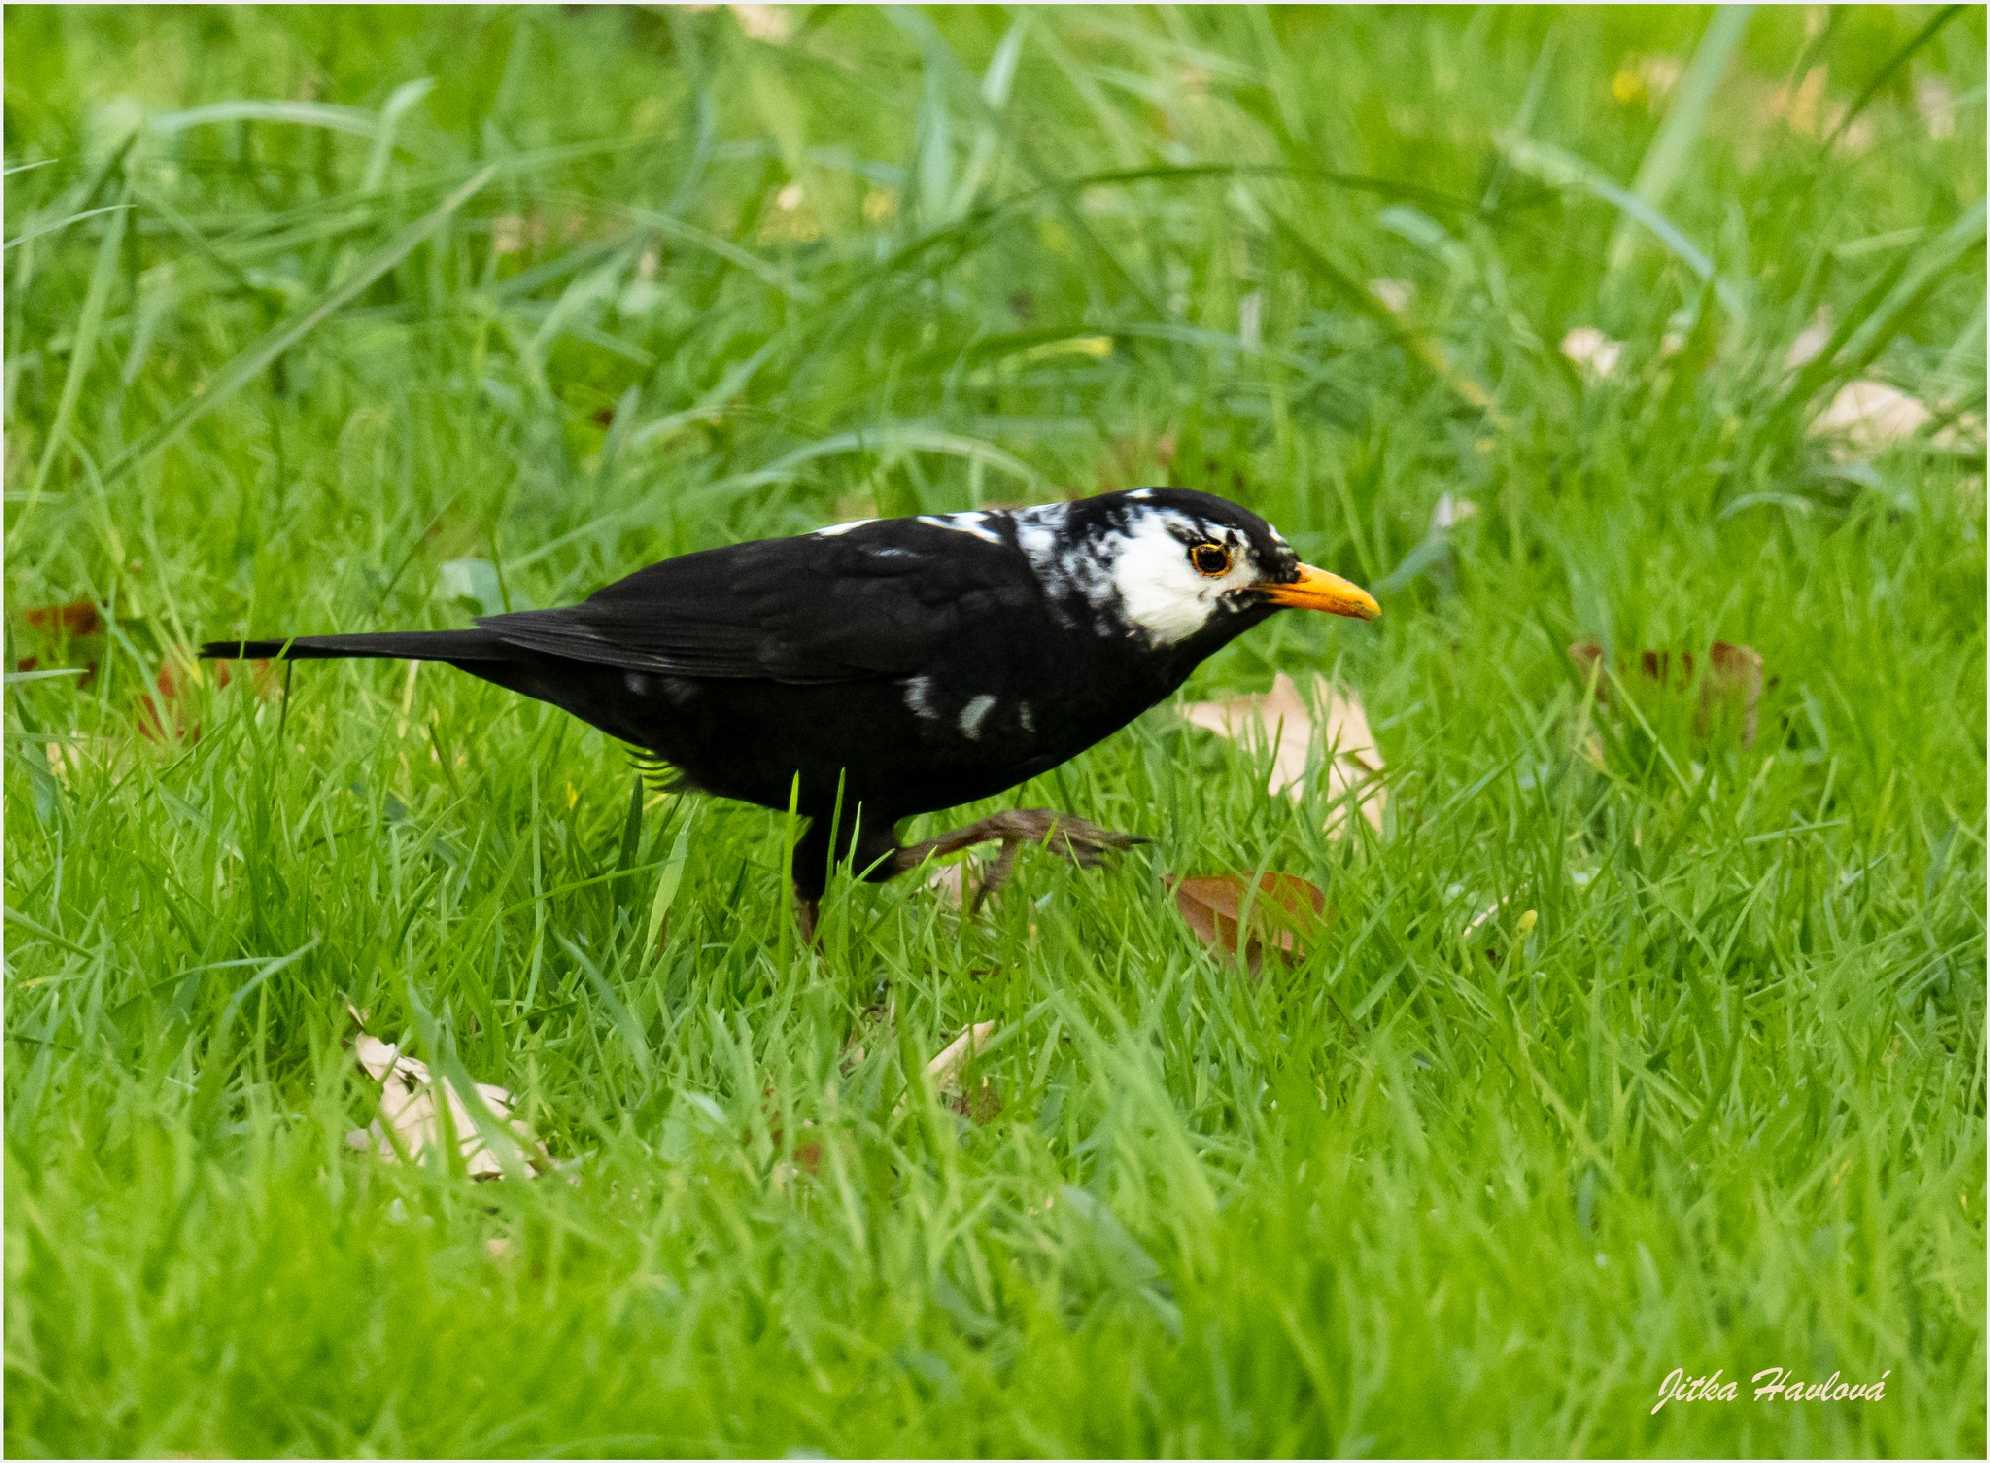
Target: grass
[{"x": 294, "y": 344}]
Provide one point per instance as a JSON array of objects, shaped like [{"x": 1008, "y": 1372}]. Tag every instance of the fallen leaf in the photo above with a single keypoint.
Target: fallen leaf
[
  {"x": 1284, "y": 908},
  {"x": 804, "y": 1157},
  {"x": 1283, "y": 721},
  {"x": 1393, "y": 295},
  {"x": 945, "y": 1068},
  {"x": 411, "y": 1115},
  {"x": 1810, "y": 341},
  {"x": 162, "y": 711},
  {"x": 770, "y": 23},
  {"x": 1935, "y": 101},
  {"x": 69, "y": 758},
  {"x": 513, "y": 233},
  {"x": 944, "y": 1072},
  {"x": 949, "y": 883},
  {"x": 1808, "y": 111},
  {"x": 78, "y": 617},
  {"x": 1594, "y": 351},
  {"x": 1869, "y": 415},
  {"x": 1660, "y": 75},
  {"x": 1730, "y": 687}
]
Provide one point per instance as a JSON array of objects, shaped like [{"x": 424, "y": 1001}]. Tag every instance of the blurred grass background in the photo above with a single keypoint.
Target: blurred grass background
[{"x": 353, "y": 318}]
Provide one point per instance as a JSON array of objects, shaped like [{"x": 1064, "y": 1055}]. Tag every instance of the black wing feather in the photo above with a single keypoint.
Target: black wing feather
[{"x": 876, "y": 601}]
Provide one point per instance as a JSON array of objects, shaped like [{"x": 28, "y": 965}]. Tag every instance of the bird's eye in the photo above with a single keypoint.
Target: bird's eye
[{"x": 1212, "y": 560}]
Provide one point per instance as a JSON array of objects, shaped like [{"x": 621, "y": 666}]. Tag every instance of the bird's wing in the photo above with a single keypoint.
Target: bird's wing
[{"x": 880, "y": 600}]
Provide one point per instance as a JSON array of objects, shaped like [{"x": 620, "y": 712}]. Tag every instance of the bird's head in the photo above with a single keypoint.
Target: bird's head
[{"x": 1177, "y": 565}]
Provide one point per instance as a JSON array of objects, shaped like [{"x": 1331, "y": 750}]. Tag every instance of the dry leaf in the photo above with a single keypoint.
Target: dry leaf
[
  {"x": 1660, "y": 75},
  {"x": 72, "y": 756},
  {"x": 1808, "y": 111},
  {"x": 1594, "y": 351},
  {"x": 78, "y": 617},
  {"x": 770, "y": 23},
  {"x": 1935, "y": 101},
  {"x": 1284, "y": 908},
  {"x": 945, "y": 1068},
  {"x": 949, "y": 883},
  {"x": 514, "y": 233},
  {"x": 1869, "y": 415},
  {"x": 1283, "y": 721},
  {"x": 1810, "y": 341},
  {"x": 944, "y": 1072},
  {"x": 1393, "y": 295},
  {"x": 1731, "y": 686},
  {"x": 162, "y": 712},
  {"x": 409, "y": 1115}
]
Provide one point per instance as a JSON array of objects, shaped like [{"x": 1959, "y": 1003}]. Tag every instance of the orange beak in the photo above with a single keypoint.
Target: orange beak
[{"x": 1316, "y": 589}]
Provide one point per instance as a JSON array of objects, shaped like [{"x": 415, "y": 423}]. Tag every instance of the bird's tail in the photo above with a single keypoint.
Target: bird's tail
[
  {"x": 596, "y": 694},
  {"x": 450, "y": 645}
]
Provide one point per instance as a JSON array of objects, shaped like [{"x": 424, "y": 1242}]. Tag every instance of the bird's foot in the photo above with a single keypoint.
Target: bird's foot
[{"x": 1082, "y": 843}]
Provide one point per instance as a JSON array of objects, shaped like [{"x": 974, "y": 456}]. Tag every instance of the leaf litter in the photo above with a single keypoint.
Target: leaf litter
[
  {"x": 1291, "y": 725},
  {"x": 1730, "y": 687},
  {"x": 1284, "y": 910},
  {"x": 410, "y": 1124}
]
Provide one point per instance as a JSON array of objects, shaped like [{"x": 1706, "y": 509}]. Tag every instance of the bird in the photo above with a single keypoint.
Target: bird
[{"x": 880, "y": 669}]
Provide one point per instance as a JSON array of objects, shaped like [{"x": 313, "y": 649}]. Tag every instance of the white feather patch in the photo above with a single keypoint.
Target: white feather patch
[
  {"x": 974, "y": 524},
  {"x": 973, "y": 714},
  {"x": 919, "y": 698},
  {"x": 1159, "y": 592}
]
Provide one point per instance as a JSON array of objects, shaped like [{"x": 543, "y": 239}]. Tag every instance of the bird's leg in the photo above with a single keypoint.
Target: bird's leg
[
  {"x": 807, "y": 871},
  {"x": 1083, "y": 843},
  {"x": 808, "y": 914},
  {"x": 995, "y": 878}
]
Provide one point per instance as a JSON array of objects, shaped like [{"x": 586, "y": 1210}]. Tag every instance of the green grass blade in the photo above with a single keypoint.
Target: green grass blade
[
  {"x": 1685, "y": 123},
  {"x": 83, "y": 346},
  {"x": 256, "y": 358}
]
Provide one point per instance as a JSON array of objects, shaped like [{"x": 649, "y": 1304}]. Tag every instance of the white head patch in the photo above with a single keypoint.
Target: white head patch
[{"x": 1161, "y": 593}]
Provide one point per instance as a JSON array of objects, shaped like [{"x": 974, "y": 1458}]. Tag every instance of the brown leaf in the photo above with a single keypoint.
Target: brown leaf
[
  {"x": 1290, "y": 724},
  {"x": 944, "y": 1072},
  {"x": 1729, "y": 690},
  {"x": 411, "y": 1115},
  {"x": 78, "y": 617},
  {"x": 1285, "y": 908},
  {"x": 162, "y": 711}
]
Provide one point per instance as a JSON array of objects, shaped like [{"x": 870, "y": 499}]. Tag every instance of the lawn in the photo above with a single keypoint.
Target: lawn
[{"x": 1631, "y": 1042}]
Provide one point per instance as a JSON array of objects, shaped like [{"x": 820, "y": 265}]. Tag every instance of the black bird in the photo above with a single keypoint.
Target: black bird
[{"x": 889, "y": 667}]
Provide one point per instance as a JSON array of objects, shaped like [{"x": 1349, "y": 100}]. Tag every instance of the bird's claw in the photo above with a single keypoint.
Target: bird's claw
[{"x": 1079, "y": 842}]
